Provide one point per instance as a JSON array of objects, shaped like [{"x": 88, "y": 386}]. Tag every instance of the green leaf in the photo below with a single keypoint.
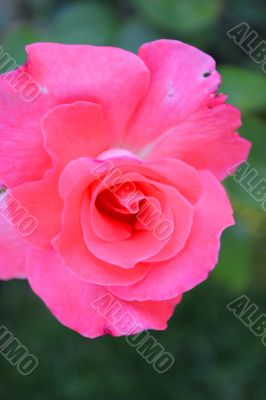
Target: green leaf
[
  {"x": 181, "y": 16},
  {"x": 246, "y": 88},
  {"x": 83, "y": 23}
]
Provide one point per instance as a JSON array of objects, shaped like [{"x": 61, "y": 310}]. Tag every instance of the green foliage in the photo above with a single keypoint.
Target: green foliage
[
  {"x": 83, "y": 23},
  {"x": 254, "y": 129},
  {"x": 234, "y": 269},
  {"x": 181, "y": 16},
  {"x": 135, "y": 32},
  {"x": 246, "y": 88},
  {"x": 17, "y": 38}
]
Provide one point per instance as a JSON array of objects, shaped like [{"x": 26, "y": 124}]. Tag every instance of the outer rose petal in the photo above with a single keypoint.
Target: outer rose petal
[
  {"x": 72, "y": 300},
  {"x": 206, "y": 140},
  {"x": 178, "y": 87},
  {"x": 112, "y": 77},
  {"x": 12, "y": 252},
  {"x": 23, "y": 156},
  {"x": 169, "y": 279},
  {"x": 42, "y": 201},
  {"x": 74, "y": 130},
  {"x": 78, "y": 129}
]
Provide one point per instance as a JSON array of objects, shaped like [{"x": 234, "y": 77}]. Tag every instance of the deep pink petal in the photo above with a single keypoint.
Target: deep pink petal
[
  {"x": 74, "y": 130},
  {"x": 172, "y": 172},
  {"x": 179, "y": 85},
  {"x": 41, "y": 199},
  {"x": 12, "y": 252},
  {"x": 23, "y": 156},
  {"x": 112, "y": 77},
  {"x": 161, "y": 238},
  {"x": 182, "y": 222},
  {"x": 178, "y": 174},
  {"x": 129, "y": 252},
  {"x": 141, "y": 245},
  {"x": 206, "y": 140},
  {"x": 166, "y": 280},
  {"x": 75, "y": 303},
  {"x": 107, "y": 228},
  {"x": 70, "y": 244}
]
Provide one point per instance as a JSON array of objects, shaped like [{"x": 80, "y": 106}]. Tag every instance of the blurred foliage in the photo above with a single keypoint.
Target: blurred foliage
[
  {"x": 238, "y": 82},
  {"x": 83, "y": 23},
  {"x": 186, "y": 17},
  {"x": 216, "y": 356}
]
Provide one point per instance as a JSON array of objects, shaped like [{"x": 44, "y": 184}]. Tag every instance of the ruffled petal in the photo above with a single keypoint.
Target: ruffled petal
[
  {"x": 42, "y": 200},
  {"x": 74, "y": 130},
  {"x": 190, "y": 267},
  {"x": 90, "y": 309},
  {"x": 111, "y": 77},
  {"x": 70, "y": 243},
  {"x": 182, "y": 79},
  {"x": 206, "y": 140},
  {"x": 23, "y": 157}
]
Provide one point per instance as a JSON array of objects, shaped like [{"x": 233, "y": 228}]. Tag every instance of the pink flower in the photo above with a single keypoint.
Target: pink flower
[{"x": 120, "y": 160}]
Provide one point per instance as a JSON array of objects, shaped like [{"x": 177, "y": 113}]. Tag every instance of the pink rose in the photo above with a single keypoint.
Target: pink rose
[{"x": 119, "y": 160}]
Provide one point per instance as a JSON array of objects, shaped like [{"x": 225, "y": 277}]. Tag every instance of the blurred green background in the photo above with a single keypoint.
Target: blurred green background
[{"x": 217, "y": 357}]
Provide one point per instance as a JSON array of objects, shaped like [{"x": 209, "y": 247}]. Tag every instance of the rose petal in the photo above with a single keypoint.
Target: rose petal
[
  {"x": 141, "y": 245},
  {"x": 70, "y": 241},
  {"x": 166, "y": 280},
  {"x": 76, "y": 303},
  {"x": 158, "y": 240},
  {"x": 78, "y": 129},
  {"x": 12, "y": 247},
  {"x": 23, "y": 157},
  {"x": 112, "y": 77},
  {"x": 41, "y": 199},
  {"x": 178, "y": 87},
  {"x": 206, "y": 140}
]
